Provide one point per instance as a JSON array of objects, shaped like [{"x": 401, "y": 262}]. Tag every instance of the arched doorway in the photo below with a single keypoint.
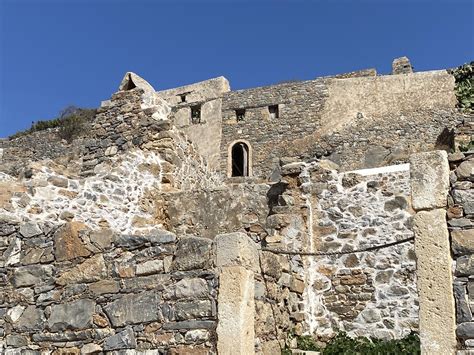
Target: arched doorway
[{"x": 240, "y": 159}]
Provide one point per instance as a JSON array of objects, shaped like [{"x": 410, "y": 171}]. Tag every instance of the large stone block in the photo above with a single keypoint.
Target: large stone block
[
  {"x": 235, "y": 329},
  {"x": 192, "y": 253},
  {"x": 236, "y": 249},
  {"x": 434, "y": 283},
  {"x": 193, "y": 309},
  {"x": 32, "y": 275},
  {"x": 465, "y": 171},
  {"x": 93, "y": 269},
  {"x": 123, "y": 340},
  {"x": 67, "y": 243},
  {"x": 73, "y": 316},
  {"x": 155, "y": 237},
  {"x": 32, "y": 318},
  {"x": 465, "y": 198},
  {"x": 462, "y": 241},
  {"x": 134, "y": 308},
  {"x": 429, "y": 178},
  {"x": 465, "y": 265}
]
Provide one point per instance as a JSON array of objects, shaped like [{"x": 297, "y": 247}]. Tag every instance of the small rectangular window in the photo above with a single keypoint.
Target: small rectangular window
[
  {"x": 274, "y": 112},
  {"x": 183, "y": 97},
  {"x": 196, "y": 114},
  {"x": 240, "y": 114}
]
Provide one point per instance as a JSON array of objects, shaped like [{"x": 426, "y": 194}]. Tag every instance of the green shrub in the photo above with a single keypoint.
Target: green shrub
[
  {"x": 71, "y": 123},
  {"x": 342, "y": 344},
  {"x": 464, "y": 76}
]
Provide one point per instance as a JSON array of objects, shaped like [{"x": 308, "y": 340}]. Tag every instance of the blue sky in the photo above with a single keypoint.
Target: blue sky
[{"x": 57, "y": 53}]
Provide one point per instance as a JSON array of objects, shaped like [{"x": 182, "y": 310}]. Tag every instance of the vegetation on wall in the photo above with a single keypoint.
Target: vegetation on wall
[
  {"x": 71, "y": 122},
  {"x": 464, "y": 76},
  {"x": 342, "y": 344}
]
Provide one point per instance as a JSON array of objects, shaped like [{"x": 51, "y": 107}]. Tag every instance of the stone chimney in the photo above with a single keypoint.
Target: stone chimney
[{"x": 401, "y": 65}]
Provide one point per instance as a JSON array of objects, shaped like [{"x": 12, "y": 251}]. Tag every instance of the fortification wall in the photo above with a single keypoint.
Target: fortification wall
[{"x": 356, "y": 122}]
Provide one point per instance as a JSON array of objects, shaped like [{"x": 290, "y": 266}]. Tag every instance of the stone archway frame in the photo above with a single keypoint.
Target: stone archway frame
[{"x": 229, "y": 156}]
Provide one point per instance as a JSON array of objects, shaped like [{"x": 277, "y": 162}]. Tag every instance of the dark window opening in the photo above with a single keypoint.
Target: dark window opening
[
  {"x": 274, "y": 112},
  {"x": 196, "y": 114},
  {"x": 240, "y": 114},
  {"x": 240, "y": 159},
  {"x": 130, "y": 84},
  {"x": 183, "y": 97}
]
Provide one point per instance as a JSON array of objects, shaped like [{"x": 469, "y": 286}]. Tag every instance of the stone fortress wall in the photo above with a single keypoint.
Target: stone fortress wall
[{"x": 140, "y": 245}]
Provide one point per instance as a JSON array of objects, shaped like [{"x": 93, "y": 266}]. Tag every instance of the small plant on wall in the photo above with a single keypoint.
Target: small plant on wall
[{"x": 464, "y": 76}]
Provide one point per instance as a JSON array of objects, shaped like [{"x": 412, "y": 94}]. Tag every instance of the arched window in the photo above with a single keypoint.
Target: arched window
[{"x": 240, "y": 159}]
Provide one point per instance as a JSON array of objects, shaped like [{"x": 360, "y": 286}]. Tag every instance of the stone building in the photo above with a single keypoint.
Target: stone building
[{"x": 203, "y": 220}]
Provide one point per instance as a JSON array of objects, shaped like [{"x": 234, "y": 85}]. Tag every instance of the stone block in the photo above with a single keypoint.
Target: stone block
[
  {"x": 104, "y": 286},
  {"x": 465, "y": 171},
  {"x": 434, "y": 277},
  {"x": 462, "y": 241},
  {"x": 92, "y": 269},
  {"x": 156, "y": 237},
  {"x": 193, "y": 309},
  {"x": 190, "y": 324},
  {"x": 123, "y": 340},
  {"x": 464, "y": 265},
  {"x": 134, "y": 309},
  {"x": 429, "y": 179},
  {"x": 29, "y": 229},
  {"x": 58, "y": 181},
  {"x": 465, "y": 330},
  {"x": 31, "y": 275},
  {"x": 31, "y": 319},
  {"x": 71, "y": 316},
  {"x": 192, "y": 253},
  {"x": 67, "y": 243},
  {"x": 236, "y": 249},
  {"x": 236, "y": 313},
  {"x": 188, "y": 288},
  {"x": 465, "y": 198}
]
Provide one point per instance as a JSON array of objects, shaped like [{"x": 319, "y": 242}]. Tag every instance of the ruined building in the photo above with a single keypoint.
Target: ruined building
[{"x": 200, "y": 220}]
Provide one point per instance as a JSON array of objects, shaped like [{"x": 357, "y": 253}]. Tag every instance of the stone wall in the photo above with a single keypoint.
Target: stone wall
[
  {"x": 71, "y": 290},
  {"x": 359, "y": 122},
  {"x": 319, "y": 210},
  {"x": 460, "y": 216},
  {"x": 204, "y": 131}
]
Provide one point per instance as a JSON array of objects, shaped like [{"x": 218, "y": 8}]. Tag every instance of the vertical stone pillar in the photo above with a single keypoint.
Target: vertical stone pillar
[
  {"x": 236, "y": 258},
  {"x": 429, "y": 173}
]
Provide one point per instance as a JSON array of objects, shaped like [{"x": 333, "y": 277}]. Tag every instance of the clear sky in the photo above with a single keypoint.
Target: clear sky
[{"x": 57, "y": 53}]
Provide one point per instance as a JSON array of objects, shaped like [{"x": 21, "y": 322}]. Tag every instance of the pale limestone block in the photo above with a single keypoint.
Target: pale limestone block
[
  {"x": 235, "y": 329},
  {"x": 435, "y": 283},
  {"x": 236, "y": 249},
  {"x": 429, "y": 178}
]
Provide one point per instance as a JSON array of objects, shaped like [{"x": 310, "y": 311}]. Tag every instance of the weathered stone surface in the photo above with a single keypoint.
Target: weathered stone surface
[
  {"x": 465, "y": 198},
  {"x": 429, "y": 179},
  {"x": 123, "y": 340},
  {"x": 104, "y": 286},
  {"x": 32, "y": 318},
  {"x": 29, "y": 229},
  {"x": 75, "y": 315},
  {"x": 192, "y": 253},
  {"x": 92, "y": 269},
  {"x": 58, "y": 181},
  {"x": 102, "y": 238},
  {"x": 236, "y": 249},
  {"x": 235, "y": 330},
  {"x": 134, "y": 308},
  {"x": 189, "y": 288},
  {"x": 465, "y": 265},
  {"x": 193, "y": 309},
  {"x": 135, "y": 241},
  {"x": 91, "y": 348},
  {"x": 465, "y": 171},
  {"x": 401, "y": 65},
  {"x": 434, "y": 277},
  {"x": 190, "y": 324},
  {"x": 462, "y": 241},
  {"x": 465, "y": 330},
  {"x": 463, "y": 311},
  {"x": 67, "y": 243},
  {"x": 32, "y": 275},
  {"x": 150, "y": 267}
]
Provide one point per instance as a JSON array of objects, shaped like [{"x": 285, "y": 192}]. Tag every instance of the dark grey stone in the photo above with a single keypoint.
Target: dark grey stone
[
  {"x": 6, "y": 229},
  {"x": 32, "y": 275},
  {"x": 463, "y": 312},
  {"x": 74, "y": 315},
  {"x": 465, "y": 330},
  {"x": 193, "y": 309},
  {"x": 157, "y": 236},
  {"x": 192, "y": 253},
  {"x": 465, "y": 265},
  {"x": 16, "y": 340},
  {"x": 134, "y": 308},
  {"x": 64, "y": 336},
  {"x": 123, "y": 340},
  {"x": 31, "y": 319},
  {"x": 460, "y": 223},
  {"x": 191, "y": 324},
  {"x": 465, "y": 198},
  {"x": 29, "y": 230}
]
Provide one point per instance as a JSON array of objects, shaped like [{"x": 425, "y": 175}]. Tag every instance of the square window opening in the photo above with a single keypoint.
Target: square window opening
[
  {"x": 182, "y": 97},
  {"x": 196, "y": 114},
  {"x": 240, "y": 114},
  {"x": 274, "y": 111}
]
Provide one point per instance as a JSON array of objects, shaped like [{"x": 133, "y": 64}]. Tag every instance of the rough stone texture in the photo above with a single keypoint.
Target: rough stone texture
[
  {"x": 235, "y": 330},
  {"x": 429, "y": 180},
  {"x": 437, "y": 315},
  {"x": 74, "y": 315},
  {"x": 401, "y": 65},
  {"x": 236, "y": 249}
]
